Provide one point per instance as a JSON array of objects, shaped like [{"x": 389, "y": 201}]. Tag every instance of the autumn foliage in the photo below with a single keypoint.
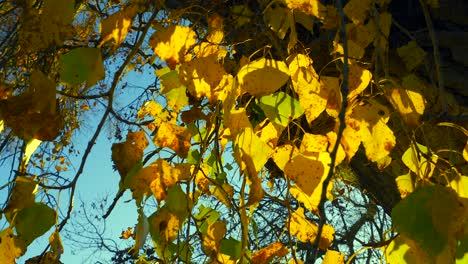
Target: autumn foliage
[{"x": 262, "y": 100}]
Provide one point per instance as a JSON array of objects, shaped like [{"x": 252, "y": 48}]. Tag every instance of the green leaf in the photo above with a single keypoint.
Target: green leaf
[
  {"x": 424, "y": 216},
  {"x": 177, "y": 202},
  {"x": 231, "y": 247},
  {"x": 280, "y": 108},
  {"x": 32, "y": 222},
  {"x": 206, "y": 216},
  {"x": 80, "y": 65},
  {"x": 193, "y": 156}
]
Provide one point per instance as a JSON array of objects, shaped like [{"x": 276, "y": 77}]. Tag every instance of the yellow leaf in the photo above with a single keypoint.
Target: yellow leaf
[
  {"x": 202, "y": 77},
  {"x": 263, "y": 76},
  {"x": 56, "y": 243},
  {"x": 351, "y": 139},
  {"x": 256, "y": 191},
  {"x": 311, "y": 7},
  {"x": 264, "y": 255},
  {"x": 408, "y": 100},
  {"x": 127, "y": 154},
  {"x": 213, "y": 237},
  {"x": 404, "y": 184},
  {"x": 334, "y": 99},
  {"x": 177, "y": 98},
  {"x": 362, "y": 35},
  {"x": 465, "y": 152},
  {"x": 358, "y": 10},
  {"x": 158, "y": 177},
  {"x": 283, "y": 154},
  {"x": 224, "y": 193},
  {"x": 312, "y": 94},
  {"x": 341, "y": 154},
  {"x": 401, "y": 248},
  {"x": 313, "y": 143},
  {"x": 269, "y": 132},
  {"x": 308, "y": 171},
  {"x": 173, "y": 43},
  {"x": 411, "y": 54},
  {"x": 236, "y": 120},
  {"x": 370, "y": 120},
  {"x": 174, "y": 137},
  {"x": 333, "y": 257},
  {"x": 11, "y": 247},
  {"x": 416, "y": 159},
  {"x": 359, "y": 79},
  {"x": 165, "y": 225},
  {"x": 141, "y": 232},
  {"x": 460, "y": 185},
  {"x": 117, "y": 25},
  {"x": 306, "y": 231},
  {"x": 250, "y": 151}
]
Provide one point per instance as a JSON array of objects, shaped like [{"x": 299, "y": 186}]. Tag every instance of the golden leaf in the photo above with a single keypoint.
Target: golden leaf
[
  {"x": 404, "y": 184},
  {"x": 306, "y": 231},
  {"x": 359, "y": 79},
  {"x": 223, "y": 193},
  {"x": 308, "y": 171},
  {"x": 269, "y": 132},
  {"x": 11, "y": 247},
  {"x": 213, "y": 237},
  {"x": 383, "y": 32},
  {"x": 202, "y": 77},
  {"x": 311, "y": 201},
  {"x": 333, "y": 257},
  {"x": 416, "y": 159},
  {"x": 158, "y": 177},
  {"x": 165, "y": 224},
  {"x": 465, "y": 152},
  {"x": 283, "y": 154},
  {"x": 264, "y": 255},
  {"x": 250, "y": 151},
  {"x": 174, "y": 137},
  {"x": 263, "y": 76},
  {"x": 341, "y": 154},
  {"x": 56, "y": 243},
  {"x": 236, "y": 120},
  {"x": 313, "y": 143},
  {"x": 408, "y": 100},
  {"x": 127, "y": 154},
  {"x": 312, "y": 94},
  {"x": 370, "y": 120},
  {"x": 117, "y": 25},
  {"x": 173, "y": 43}
]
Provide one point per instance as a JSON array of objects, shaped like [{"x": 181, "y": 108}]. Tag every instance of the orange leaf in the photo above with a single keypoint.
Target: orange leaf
[
  {"x": 174, "y": 137},
  {"x": 264, "y": 255}
]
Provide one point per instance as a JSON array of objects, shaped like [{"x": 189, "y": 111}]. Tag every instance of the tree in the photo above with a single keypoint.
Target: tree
[{"x": 256, "y": 104}]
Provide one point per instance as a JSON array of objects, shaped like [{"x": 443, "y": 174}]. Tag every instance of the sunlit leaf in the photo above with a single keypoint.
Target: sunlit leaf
[
  {"x": 404, "y": 184},
  {"x": 251, "y": 152},
  {"x": 117, "y": 25},
  {"x": 313, "y": 143},
  {"x": 174, "y": 137},
  {"x": 306, "y": 231},
  {"x": 420, "y": 160},
  {"x": 359, "y": 79},
  {"x": 400, "y": 251},
  {"x": 333, "y": 257},
  {"x": 264, "y": 255},
  {"x": 213, "y": 237},
  {"x": 172, "y": 43},
  {"x": 280, "y": 108},
  {"x": 11, "y": 247},
  {"x": 237, "y": 120},
  {"x": 312, "y": 94},
  {"x": 203, "y": 77},
  {"x": 370, "y": 120},
  {"x": 307, "y": 171},
  {"x": 33, "y": 221},
  {"x": 263, "y": 76},
  {"x": 81, "y": 65}
]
